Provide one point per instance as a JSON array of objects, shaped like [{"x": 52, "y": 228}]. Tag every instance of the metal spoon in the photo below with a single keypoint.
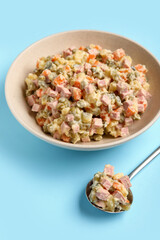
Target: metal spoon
[{"x": 131, "y": 175}]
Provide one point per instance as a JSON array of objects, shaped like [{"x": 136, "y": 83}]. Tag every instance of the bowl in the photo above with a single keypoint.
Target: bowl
[{"x": 25, "y": 63}]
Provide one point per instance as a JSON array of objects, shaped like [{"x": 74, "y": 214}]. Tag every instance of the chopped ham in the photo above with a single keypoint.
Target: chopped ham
[
  {"x": 105, "y": 183},
  {"x": 119, "y": 126},
  {"x": 119, "y": 196},
  {"x": 31, "y": 100},
  {"x": 93, "y": 51},
  {"x": 59, "y": 88},
  {"x": 127, "y": 104},
  {"x": 144, "y": 93},
  {"x": 123, "y": 90},
  {"x": 67, "y": 53},
  {"x": 142, "y": 99},
  {"x": 86, "y": 139},
  {"x": 36, "y": 107},
  {"x": 79, "y": 69},
  {"x": 124, "y": 131},
  {"x": 125, "y": 181},
  {"x": 126, "y": 63},
  {"x": 105, "y": 100},
  {"x": 125, "y": 94},
  {"x": 75, "y": 128},
  {"x": 69, "y": 117},
  {"x": 128, "y": 121},
  {"x": 63, "y": 91},
  {"x": 109, "y": 170},
  {"x": 122, "y": 87},
  {"x": 101, "y": 83},
  {"x": 87, "y": 66},
  {"x": 141, "y": 108},
  {"x": 115, "y": 115},
  {"x": 57, "y": 135},
  {"x": 102, "y": 194},
  {"x": 51, "y": 92},
  {"x": 97, "y": 123},
  {"x": 55, "y": 113},
  {"x": 89, "y": 72},
  {"x": 35, "y": 82},
  {"x": 100, "y": 204},
  {"x": 65, "y": 127},
  {"x": 53, "y": 104},
  {"x": 89, "y": 88},
  {"x": 141, "y": 80}
]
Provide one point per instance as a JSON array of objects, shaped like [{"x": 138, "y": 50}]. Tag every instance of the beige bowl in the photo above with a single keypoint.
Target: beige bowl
[{"x": 25, "y": 63}]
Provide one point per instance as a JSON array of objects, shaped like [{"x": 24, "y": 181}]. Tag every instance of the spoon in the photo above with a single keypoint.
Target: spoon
[{"x": 131, "y": 175}]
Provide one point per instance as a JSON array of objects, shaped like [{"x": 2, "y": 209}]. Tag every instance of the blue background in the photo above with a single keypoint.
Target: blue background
[{"x": 42, "y": 186}]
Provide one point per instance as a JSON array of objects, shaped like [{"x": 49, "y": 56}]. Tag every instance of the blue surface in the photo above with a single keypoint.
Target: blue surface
[{"x": 42, "y": 186}]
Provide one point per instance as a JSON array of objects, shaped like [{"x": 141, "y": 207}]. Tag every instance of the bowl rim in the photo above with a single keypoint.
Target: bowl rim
[{"x": 62, "y": 144}]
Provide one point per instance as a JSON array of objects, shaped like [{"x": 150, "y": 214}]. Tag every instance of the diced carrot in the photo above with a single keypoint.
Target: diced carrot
[
  {"x": 90, "y": 79},
  {"x": 95, "y": 63},
  {"x": 103, "y": 116},
  {"x": 92, "y": 105},
  {"x": 77, "y": 84},
  {"x": 114, "y": 106},
  {"x": 55, "y": 57},
  {"x": 49, "y": 108},
  {"x": 140, "y": 68},
  {"x": 46, "y": 72},
  {"x": 67, "y": 68},
  {"x": 65, "y": 138},
  {"x": 58, "y": 96},
  {"x": 124, "y": 77},
  {"x": 117, "y": 186},
  {"x": 39, "y": 92},
  {"x": 124, "y": 70},
  {"x": 130, "y": 111},
  {"x": 118, "y": 54},
  {"x": 59, "y": 80},
  {"x": 77, "y": 94},
  {"x": 104, "y": 59},
  {"x": 41, "y": 121},
  {"x": 91, "y": 56},
  {"x": 98, "y": 47},
  {"x": 87, "y": 108},
  {"x": 83, "y": 93},
  {"x": 145, "y": 105},
  {"x": 127, "y": 201},
  {"x": 81, "y": 48},
  {"x": 104, "y": 108}
]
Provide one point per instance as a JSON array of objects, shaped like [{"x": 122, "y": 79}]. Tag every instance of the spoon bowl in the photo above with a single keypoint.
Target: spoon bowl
[{"x": 88, "y": 190}]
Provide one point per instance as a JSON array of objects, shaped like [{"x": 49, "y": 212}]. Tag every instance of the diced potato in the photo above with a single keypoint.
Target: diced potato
[
  {"x": 86, "y": 117},
  {"x": 110, "y": 204},
  {"x": 146, "y": 86},
  {"x": 97, "y": 137},
  {"x": 117, "y": 176},
  {"x": 113, "y": 87},
  {"x": 135, "y": 85},
  {"x": 100, "y": 131},
  {"x": 65, "y": 111},
  {"x": 105, "y": 52},
  {"x": 78, "y": 56}
]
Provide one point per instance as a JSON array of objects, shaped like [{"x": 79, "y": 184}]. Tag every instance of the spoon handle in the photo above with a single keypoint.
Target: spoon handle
[{"x": 144, "y": 163}]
